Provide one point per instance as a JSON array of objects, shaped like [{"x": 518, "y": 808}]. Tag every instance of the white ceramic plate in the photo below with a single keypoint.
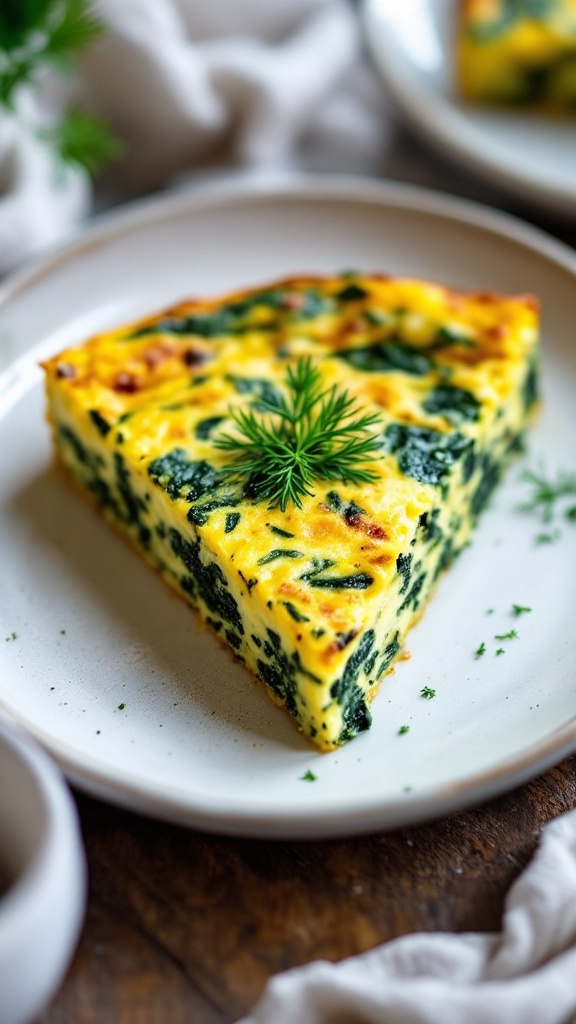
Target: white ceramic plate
[
  {"x": 195, "y": 740},
  {"x": 531, "y": 156}
]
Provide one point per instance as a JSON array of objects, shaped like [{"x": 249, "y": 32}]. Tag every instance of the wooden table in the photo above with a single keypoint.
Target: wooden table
[{"x": 185, "y": 928}]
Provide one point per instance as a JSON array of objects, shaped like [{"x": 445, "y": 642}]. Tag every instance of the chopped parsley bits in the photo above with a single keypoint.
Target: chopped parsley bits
[
  {"x": 121, "y": 707},
  {"x": 427, "y": 692},
  {"x": 546, "y": 492},
  {"x": 13, "y": 636},
  {"x": 403, "y": 730},
  {"x": 489, "y": 611},
  {"x": 308, "y": 776},
  {"x": 510, "y": 635},
  {"x": 481, "y": 650},
  {"x": 547, "y": 538},
  {"x": 500, "y": 650},
  {"x": 520, "y": 609}
]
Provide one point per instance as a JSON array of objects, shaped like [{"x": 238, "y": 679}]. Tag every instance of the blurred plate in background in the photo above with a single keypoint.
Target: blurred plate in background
[{"x": 531, "y": 156}]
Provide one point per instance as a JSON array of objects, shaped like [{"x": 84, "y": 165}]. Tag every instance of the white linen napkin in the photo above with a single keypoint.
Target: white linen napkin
[
  {"x": 524, "y": 975},
  {"x": 194, "y": 84}
]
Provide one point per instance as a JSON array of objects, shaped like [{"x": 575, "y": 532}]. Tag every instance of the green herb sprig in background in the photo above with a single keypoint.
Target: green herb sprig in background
[
  {"x": 36, "y": 34},
  {"x": 313, "y": 434}
]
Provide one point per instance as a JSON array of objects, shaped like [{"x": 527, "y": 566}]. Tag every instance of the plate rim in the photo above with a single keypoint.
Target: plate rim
[
  {"x": 98, "y": 779},
  {"x": 453, "y": 130}
]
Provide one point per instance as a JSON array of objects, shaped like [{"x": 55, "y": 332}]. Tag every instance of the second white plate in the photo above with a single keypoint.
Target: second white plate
[
  {"x": 108, "y": 669},
  {"x": 531, "y": 156}
]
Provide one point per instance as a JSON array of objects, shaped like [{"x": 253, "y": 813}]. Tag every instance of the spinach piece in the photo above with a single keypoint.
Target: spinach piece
[
  {"x": 356, "y": 581},
  {"x": 469, "y": 465},
  {"x": 389, "y": 653},
  {"x": 200, "y": 514},
  {"x": 428, "y": 522},
  {"x": 277, "y": 553},
  {"x": 413, "y": 596},
  {"x": 349, "y": 509},
  {"x": 99, "y": 422},
  {"x": 209, "y": 580},
  {"x": 232, "y": 520},
  {"x": 455, "y": 404},
  {"x": 313, "y": 304},
  {"x": 262, "y": 389},
  {"x": 222, "y": 320},
  {"x": 205, "y": 427},
  {"x": 133, "y": 504},
  {"x": 279, "y": 672},
  {"x": 351, "y": 293},
  {"x": 388, "y": 357},
  {"x": 531, "y": 385},
  {"x": 356, "y": 715},
  {"x": 182, "y": 477},
  {"x": 355, "y": 711},
  {"x": 426, "y": 455},
  {"x": 294, "y": 613},
  {"x": 233, "y": 639},
  {"x": 404, "y": 568},
  {"x": 446, "y": 336},
  {"x": 318, "y": 566},
  {"x": 81, "y": 454},
  {"x": 281, "y": 533},
  {"x": 490, "y": 473},
  {"x": 231, "y": 318}
]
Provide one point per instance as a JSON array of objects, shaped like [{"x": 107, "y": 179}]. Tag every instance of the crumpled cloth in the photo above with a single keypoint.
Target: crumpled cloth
[
  {"x": 189, "y": 85},
  {"x": 524, "y": 975}
]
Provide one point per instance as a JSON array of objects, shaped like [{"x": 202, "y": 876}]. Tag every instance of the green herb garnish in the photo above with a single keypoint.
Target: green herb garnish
[
  {"x": 13, "y": 636},
  {"x": 309, "y": 776},
  {"x": 546, "y": 492},
  {"x": 35, "y": 35},
  {"x": 520, "y": 609},
  {"x": 481, "y": 650},
  {"x": 547, "y": 538},
  {"x": 83, "y": 139},
  {"x": 313, "y": 434},
  {"x": 121, "y": 707},
  {"x": 510, "y": 635},
  {"x": 427, "y": 692},
  {"x": 403, "y": 730},
  {"x": 500, "y": 650}
]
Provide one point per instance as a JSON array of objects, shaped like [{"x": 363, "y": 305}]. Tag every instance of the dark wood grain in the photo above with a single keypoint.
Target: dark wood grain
[{"x": 186, "y": 927}]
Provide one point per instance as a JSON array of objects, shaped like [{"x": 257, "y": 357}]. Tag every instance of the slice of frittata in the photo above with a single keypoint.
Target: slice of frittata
[
  {"x": 316, "y": 600},
  {"x": 520, "y": 52}
]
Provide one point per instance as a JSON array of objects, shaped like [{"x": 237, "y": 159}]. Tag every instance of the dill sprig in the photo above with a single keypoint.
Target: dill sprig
[
  {"x": 84, "y": 139},
  {"x": 38, "y": 33},
  {"x": 546, "y": 492},
  {"x": 310, "y": 434}
]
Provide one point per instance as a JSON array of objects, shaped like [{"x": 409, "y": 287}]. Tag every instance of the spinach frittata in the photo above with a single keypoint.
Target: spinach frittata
[
  {"x": 315, "y": 599},
  {"x": 518, "y": 52}
]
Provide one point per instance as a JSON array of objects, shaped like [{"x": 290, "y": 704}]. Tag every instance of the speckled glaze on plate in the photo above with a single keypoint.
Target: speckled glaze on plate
[
  {"x": 112, "y": 673},
  {"x": 531, "y": 156}
]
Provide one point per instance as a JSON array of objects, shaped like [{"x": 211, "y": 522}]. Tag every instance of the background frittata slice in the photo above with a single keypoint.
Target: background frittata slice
[{"x": 518, "y": 52}]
